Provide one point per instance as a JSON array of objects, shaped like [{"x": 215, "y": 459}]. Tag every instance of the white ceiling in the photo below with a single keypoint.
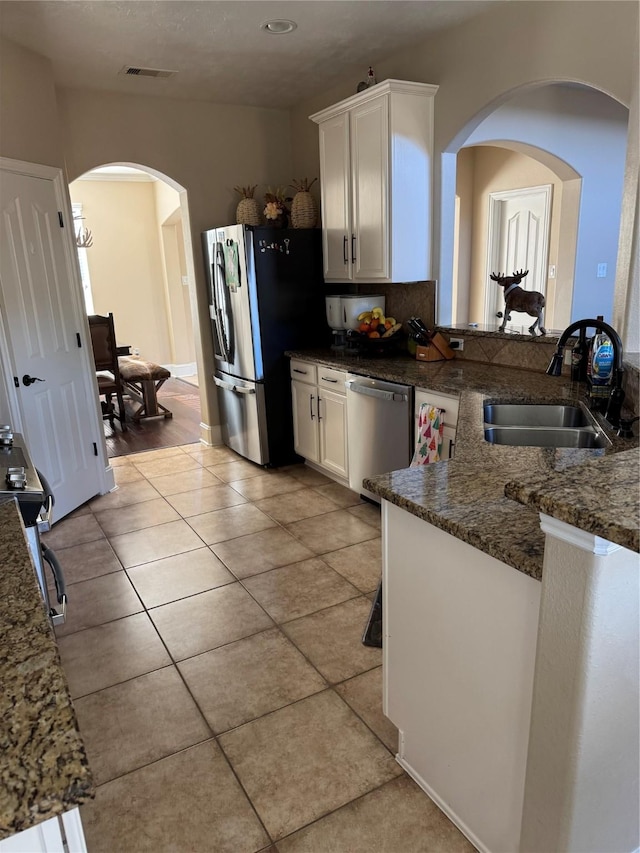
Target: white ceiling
[{"x": 218, "y": 48}]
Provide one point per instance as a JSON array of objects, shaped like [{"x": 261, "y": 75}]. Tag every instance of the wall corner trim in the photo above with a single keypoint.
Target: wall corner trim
[{"x": 574, "y": 536}]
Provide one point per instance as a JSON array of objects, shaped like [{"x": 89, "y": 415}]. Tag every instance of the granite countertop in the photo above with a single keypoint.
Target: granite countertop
[
  {"x": 44, "y": 769},
  {"x": 600, "y": 497},
  {"x": 466, "y": 496}
]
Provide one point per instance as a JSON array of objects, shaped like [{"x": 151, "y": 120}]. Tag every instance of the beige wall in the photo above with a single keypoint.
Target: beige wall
[
  {"x": 176, "y": 278},
  {"x": 29, "y": 123},
  {"x": 208, "y": 148},
  {"x": 511, "y": 45},
  {"x": 495, "y": 170},
  {"x": 464, "y": 234},
  {"x": 479, "y": 64},
  {"x": 205, "y": 148},
  {"x": 125, "y": 262}
]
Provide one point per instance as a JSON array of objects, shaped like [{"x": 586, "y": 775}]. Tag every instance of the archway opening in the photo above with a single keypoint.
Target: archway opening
[
  {"x": 579, "y": 135},
  {"x": 138, "y": 266}
]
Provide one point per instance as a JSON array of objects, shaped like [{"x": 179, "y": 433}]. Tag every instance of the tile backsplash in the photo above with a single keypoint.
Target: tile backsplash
[
  {"x": 533, "y": 353},
  {"x": 526, "y": 353},
  {"x": 402, "y": 299}
]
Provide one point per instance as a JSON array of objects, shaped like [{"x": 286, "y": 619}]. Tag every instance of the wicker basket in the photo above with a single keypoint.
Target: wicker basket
[
  {"x": 248, "y": 212},
  {"x": 304, "y": 213}
]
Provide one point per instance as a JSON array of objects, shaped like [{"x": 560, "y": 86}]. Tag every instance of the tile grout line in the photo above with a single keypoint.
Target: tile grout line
[{"x": 278, "y": 626}]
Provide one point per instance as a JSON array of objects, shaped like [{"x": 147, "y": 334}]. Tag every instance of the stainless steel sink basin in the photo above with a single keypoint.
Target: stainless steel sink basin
[
  {"x": 546, "y": 437},
  {"x": 542, "y": 425},
  {"x": 526, "y": 414}
]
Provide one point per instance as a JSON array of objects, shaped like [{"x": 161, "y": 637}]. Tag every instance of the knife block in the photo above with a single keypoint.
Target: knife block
[{"x": 438, "y": 350}]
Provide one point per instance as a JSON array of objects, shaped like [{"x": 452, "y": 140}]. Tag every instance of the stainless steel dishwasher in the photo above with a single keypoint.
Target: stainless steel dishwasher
[{"x": 379, "y": 428}]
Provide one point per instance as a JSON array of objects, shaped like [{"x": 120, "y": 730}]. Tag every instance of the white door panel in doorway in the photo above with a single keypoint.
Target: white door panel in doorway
[
  {"x": 519, "y": 224},
  {"x": 47, "y": 370}
]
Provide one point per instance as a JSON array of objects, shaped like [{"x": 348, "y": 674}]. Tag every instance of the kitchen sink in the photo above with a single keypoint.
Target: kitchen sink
[
  {"x": 546, "y": 436},
  {"x": 542, "y": 425},
  {"x": 535, "y": 415}
]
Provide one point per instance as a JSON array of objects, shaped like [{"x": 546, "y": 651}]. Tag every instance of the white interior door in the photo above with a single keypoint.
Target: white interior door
[
  {"x": 519, "y": 223},
  {"x": 44, "y": 337}
]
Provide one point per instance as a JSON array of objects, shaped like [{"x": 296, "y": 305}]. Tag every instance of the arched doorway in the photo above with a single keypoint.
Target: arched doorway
[
  {"x": 578, "y": 133},
  {"x": 139, "y": 267}
]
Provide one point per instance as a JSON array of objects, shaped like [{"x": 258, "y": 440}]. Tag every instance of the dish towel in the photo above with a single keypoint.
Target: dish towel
[{"x": 430, "y": 432}]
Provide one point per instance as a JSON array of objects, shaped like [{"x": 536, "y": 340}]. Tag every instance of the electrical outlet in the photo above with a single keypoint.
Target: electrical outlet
[
  {"x": 456, "y": 343},
  {"x": 136, "y": 351}
]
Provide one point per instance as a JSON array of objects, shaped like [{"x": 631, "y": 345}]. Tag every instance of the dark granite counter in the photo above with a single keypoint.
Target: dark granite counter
[
  {"x": 44, "y": 769},
  {"x": 601, "y": 497},
  {"x": 466, "y": 495}
]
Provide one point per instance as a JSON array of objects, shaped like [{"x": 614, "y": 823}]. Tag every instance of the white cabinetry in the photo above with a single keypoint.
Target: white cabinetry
[
  {"x": 449, "y": 406},
  {"x": 460, "y": 631},
  {"x": 57, "y": 835},
  {"x": 375, "y": 181},
  {"x": 320, "y": 416}
]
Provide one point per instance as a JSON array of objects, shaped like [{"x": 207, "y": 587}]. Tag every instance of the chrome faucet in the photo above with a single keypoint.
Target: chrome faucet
[{"x": 579, "y": 370}]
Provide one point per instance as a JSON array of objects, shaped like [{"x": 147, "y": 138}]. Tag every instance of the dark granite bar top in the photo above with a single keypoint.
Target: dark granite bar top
[
  {"x": 466, "y": 495},
  {"x": 44, "y": 769},
  {"x": 600, "y": 497}
]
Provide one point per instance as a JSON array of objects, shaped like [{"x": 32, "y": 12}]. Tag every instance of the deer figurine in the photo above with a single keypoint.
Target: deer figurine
[{"x": 517, "y": 299}]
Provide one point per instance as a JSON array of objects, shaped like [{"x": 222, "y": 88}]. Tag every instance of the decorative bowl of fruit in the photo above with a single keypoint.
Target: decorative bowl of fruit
[{"x": 376, "y": 334}]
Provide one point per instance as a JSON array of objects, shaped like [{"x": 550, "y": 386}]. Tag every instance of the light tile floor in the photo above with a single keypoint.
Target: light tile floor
[{"x": 213, "y": 651}]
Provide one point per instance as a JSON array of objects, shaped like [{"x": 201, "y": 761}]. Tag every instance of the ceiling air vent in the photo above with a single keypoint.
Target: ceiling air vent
[{"x": 146, "y": 72}]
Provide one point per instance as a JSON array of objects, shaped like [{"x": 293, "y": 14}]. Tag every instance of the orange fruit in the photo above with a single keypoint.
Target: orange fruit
[
  {"x": 363, "y": 327},
  {"x": 374, "y": 324},
  {"x": 374, "y": 334}
]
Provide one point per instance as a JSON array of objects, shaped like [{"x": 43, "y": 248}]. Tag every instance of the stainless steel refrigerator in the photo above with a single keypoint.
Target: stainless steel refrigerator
[{"x": 266, "y": 295}]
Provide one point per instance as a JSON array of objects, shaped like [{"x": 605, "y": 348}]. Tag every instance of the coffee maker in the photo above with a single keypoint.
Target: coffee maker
[
  {"x": 336, "y": 321},
  {"x": 343, "y": 311}
]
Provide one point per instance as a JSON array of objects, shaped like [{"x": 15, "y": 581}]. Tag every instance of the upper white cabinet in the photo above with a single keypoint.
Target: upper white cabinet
[{"x": 375, "y": 180}]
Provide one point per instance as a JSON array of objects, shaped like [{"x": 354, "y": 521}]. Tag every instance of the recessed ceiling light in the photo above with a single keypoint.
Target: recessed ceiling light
[{"x": 279, "y": 27}]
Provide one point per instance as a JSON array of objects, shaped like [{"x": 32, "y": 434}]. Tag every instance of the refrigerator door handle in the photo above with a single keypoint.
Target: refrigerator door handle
[
  {"x": 224, "y": 307},
  {"x": 229, "y": 386},
  {"x": 215, "y": 314}
]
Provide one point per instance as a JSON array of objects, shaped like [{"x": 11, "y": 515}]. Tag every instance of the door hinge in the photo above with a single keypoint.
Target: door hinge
[
  {"x": 60, "y": 219},
  {"x": 16, "y": 381},
  {"x": 95, "y": 449},
  {"x": 78, "y": 340}
]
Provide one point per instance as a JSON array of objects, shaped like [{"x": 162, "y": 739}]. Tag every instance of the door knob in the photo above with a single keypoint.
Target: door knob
[{"x": 29, "y": 380}]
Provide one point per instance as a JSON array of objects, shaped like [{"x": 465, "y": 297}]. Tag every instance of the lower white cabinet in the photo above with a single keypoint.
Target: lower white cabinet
[
  {"x": 459, "y": 648},
  {"x": 306, "y": 440},
  {"x": 57, "y": 835},
  {"x": 332, "y": 426},
  {"x": 449, "y": 406},
  {"x": 320, "y": 416}
]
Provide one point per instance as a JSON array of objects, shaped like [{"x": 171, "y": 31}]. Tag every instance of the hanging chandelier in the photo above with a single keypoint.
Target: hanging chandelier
[{"x": 84, "y": 238}]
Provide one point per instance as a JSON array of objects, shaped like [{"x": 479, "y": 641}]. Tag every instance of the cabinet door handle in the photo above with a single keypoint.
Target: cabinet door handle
[
  {"x": 311, "y": 399},
  {"x": 319, "y": 415},
  {"x": 304, "y": 372},
  {"x": 451, "y": 446},
  {"x": 344, "y": 249},
  {"x": 326, "y": 379},
  {"x": 353, "y": 248}
]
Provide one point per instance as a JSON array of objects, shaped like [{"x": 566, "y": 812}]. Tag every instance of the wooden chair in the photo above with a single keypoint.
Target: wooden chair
[{"x": 103, "y": 341}]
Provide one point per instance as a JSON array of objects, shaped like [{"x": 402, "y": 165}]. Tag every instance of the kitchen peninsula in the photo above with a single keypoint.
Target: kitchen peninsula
[
  {"x": 515, "y": 699},
  {"x": 44, "y": 765}
]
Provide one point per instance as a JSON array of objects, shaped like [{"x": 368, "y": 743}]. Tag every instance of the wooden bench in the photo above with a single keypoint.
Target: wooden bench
[{"x": 143, "y": 379}]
